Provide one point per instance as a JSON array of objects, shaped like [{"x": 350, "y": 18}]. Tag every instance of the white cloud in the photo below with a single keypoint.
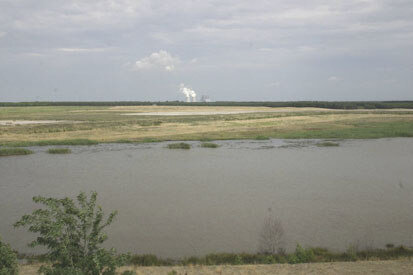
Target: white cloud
[
  {"x": 2, "y": 34},
  {"x": 158, "y": 60},
  {"x": 81, "y": 50}
]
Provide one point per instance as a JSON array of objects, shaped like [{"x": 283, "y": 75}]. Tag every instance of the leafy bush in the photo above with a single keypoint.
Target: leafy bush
[
  {"x": 8, "y": 260},
  {"x": 301, "y": 255},
  {"x": 73, "y": 233}
]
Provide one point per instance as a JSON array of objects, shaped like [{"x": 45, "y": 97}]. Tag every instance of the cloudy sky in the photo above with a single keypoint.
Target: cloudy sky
[{"x": 227, "y": 49}]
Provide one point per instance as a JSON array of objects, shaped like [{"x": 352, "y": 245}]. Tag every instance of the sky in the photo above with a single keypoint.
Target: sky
[{"x": 143, "y": 50}]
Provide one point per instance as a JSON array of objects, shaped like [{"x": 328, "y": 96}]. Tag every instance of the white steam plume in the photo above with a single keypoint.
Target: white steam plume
[{"x": 188, "y": 93}]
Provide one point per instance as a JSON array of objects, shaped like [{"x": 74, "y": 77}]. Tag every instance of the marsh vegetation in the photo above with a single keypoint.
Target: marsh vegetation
[
  {"x": 88, "y": 125},
  {"x": 180, "y": 145},
  {"x": 328, "y": 144},
  {"x": 209, "y": 145},
  {"x": 14, "y": 152},
  {"x": 59, "y": 151}
]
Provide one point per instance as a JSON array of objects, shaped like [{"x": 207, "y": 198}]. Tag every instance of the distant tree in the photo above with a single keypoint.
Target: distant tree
[
  {"x": 72, "y": 232},
  {"x": 271, "y": 238}
]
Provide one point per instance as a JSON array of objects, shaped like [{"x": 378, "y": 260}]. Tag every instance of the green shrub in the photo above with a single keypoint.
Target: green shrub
[
  {"x": 180, "y": 145},
  {"x": 72, "y": 232},
  {"x": 14, "y": 152},
  {"x": 301, "y": 255},
  {"x": 8, "y": 260},
  {"x": 209, "y": 145},
  {"x": 59, "y": 151}
]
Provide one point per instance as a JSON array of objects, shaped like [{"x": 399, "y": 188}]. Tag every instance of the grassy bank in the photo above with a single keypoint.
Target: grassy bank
[
  {"x": 14, "y": 152},
  {"x": 300, "y": 255},
  {"x": 50, "y": 142},
  {"x": 91, "y": 125}
]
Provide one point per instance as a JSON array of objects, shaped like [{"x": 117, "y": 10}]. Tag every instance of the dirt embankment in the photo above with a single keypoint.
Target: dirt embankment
[{"x": 403, "y": 266}]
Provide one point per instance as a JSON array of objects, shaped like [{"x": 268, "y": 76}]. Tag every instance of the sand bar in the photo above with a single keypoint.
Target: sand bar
[{"x": 25, "y": 122}]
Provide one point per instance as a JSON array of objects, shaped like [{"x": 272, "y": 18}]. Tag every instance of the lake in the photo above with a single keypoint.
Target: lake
[{"x": 176, "y": 203}]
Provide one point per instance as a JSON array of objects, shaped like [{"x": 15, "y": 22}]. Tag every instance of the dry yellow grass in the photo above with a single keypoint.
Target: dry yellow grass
[{"x": 402, "y": 266}]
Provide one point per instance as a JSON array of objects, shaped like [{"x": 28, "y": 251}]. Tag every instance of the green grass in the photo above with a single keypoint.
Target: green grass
[
  {"x": 88, "y": 125},
  {"x": 328, "y": 144},
  {"x": 209, "y": 145},
  {"x": 261, "y": 138},
  {"x": 51, "y": 142},
  {"x": 14, "y": 152},
  {"x": 180, "y": 145},
  {"x": 363, "y": 130},
  {"x": 59, "y": 151},
  {"x": 300, "y": 255}
]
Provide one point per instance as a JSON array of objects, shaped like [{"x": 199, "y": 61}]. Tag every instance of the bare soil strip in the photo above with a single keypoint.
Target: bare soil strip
[{"x": 402, "y": 266}]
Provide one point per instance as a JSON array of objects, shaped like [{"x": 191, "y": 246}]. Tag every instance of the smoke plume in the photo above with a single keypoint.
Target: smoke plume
[{"x": 188, "y": 92}]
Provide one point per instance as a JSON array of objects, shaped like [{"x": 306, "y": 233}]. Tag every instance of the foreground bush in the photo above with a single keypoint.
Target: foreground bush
[
  {"x": 8, "y": 260},
  {"x": 72, "y": 232}
]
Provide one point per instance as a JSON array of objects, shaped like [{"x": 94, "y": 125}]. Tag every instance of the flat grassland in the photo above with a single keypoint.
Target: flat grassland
[{"x": 71, "y": 125}]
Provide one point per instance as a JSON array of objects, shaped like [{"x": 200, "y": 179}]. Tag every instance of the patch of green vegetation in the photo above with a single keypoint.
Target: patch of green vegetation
[
  {"x": 8, "y": 260},
  {"x": 180, "y": 145},
  {"x": 51, "y": 142},
  {"x": 300, "y": 255},
  {"x": 328, "y": 144},
  {"x": 59, "y": 151},
  {"x": 364, "y": 130},
  {"x": 209, "y": 145},
  {"x": 262, "y": 138},
  {"x": 14, "y": 152},
  {"x": 73, "y": 233}
]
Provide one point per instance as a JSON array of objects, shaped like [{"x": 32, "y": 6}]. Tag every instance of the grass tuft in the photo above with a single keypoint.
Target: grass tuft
[
  {"x": 180, "y": 145},
  {"x": 14, "y": 152},
  {"x": 59, "y": 151},
  {"x": 209, "y": 145}
]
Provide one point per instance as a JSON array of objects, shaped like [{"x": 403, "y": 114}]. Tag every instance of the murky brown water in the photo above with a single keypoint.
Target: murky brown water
[{"x": 179, "y": 203}]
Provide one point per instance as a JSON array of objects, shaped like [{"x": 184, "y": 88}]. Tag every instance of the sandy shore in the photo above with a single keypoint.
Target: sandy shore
[
  {"x": 403, "y": 266},
  {"x": 187, "y": 113},
  {"x": 25, "y": 122}
]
